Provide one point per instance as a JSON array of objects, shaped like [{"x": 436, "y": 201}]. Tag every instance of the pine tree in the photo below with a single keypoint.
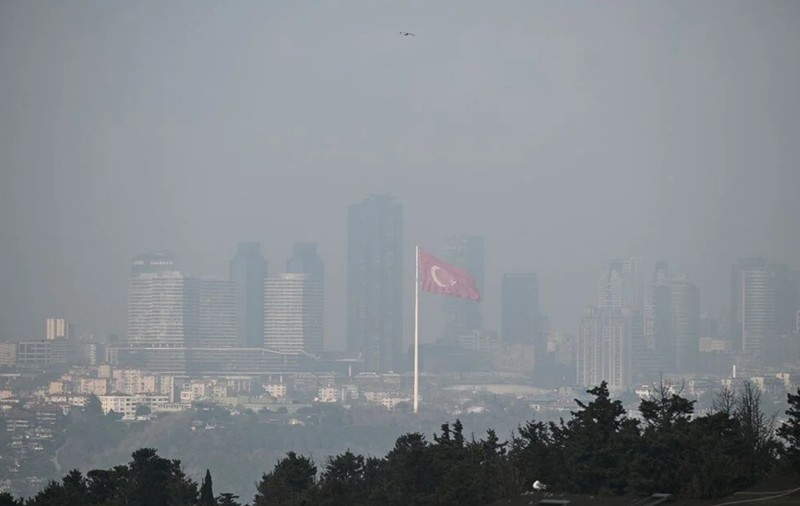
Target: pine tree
[
  {"x": 7, "y": 499},
  {"x": 290, "y": 483},
  {"x": 790, "y": 432},
  {"x": 207, "y": 492}
]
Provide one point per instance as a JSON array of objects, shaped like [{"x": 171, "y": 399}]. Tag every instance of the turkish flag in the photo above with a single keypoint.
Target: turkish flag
[{"x": 440, "y": 277}]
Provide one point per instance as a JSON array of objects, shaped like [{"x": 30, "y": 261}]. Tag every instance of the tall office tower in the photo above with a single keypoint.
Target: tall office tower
[
  {"x": 588, "y": 344},
  {"x": 753, "y": 286},
  {"x": 248, "y": 270},
  {"x": 603, "y": 349},
  {"x": 59, "y": 328},
  {"x": 787, "y": 298},
  {"x": 375, "y": 282},
  {"x": 216, "y": 313},
  {"x": 620, "y": 285},
  {"x": 293, "y": 314},
  {"x": 520, "y": 319},
  {"x": 658, "y": 355},
  {"x": 464, "y": 317},
  {"x": 685, "y": 305},
  {"x": 618, "y": 329},
  {"x": 162, "y": 303},
  {"x": 797, "y": 322},
  {"x": 306, "y": 260},
  {"x": 519, "y": 301}
]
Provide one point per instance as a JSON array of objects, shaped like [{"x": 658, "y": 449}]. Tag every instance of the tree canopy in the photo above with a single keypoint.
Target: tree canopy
[{"x": 598, "y": 450}]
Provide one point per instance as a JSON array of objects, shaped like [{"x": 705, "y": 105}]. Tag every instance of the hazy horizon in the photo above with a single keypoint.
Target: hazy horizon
[{"x": 564, "y": 133}]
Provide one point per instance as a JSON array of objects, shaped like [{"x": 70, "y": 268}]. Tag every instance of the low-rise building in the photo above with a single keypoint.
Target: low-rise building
[
  {"x": 276, "y": 390},
  {"x": 8, "y": 353},
  {"x": 96, "y": 386},
  {"x": 127, "y": 404}
]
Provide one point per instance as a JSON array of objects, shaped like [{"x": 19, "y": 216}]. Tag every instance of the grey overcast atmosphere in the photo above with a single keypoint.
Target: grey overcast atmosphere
[{"x": 564, "y": 133}]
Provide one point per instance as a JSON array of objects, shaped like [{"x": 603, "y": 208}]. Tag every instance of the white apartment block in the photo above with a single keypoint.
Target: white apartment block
[
  {"x": 96, "y": 386},
  {"x": 8, "y": 353},
  {"x": 276, "y": 390},
  {"x": 127, "y": 404},
  {"x": 162, "y": 309},
  {"x": 293, "y": 314},
  {"x": 328, "y": 395}
]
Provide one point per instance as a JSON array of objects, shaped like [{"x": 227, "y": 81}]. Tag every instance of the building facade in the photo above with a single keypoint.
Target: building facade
[
  {"x": 306, "y": 260},
  {"x": 162, "y": 303},
  {"x": 248, "y": 271},
  {"x": 375, "y": 282},
  {"x": 603, "y": 347},
  {"x": 293, "y": 314},
  {"x": 59, "y": 328},
  {"x": 216, "y": 313}
]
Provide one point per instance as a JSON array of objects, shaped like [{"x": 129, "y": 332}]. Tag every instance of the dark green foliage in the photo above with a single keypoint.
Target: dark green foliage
[
  {"x": 790, "y": 432},
  {"x": 342, "y": 481},
  {"x": 7, "y": 499},
  {"x": 291, "y": 483},
  {"x": 228, "y": 499},
  {"x": 142, "y": 410},
  {"x": 148, "y": 480},
  {"x": 595, "y": 444},
  {"x": 599, "y": 450},
  {"x": 156, "y": 481},
  {"x": 207, "y": 491}
]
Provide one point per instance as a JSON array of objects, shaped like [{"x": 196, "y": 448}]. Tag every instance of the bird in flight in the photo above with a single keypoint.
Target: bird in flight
[{"x": 406, "y": 34}]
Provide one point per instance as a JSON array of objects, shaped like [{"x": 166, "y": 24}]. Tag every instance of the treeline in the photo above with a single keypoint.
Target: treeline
[{"x": 599, "y": 450}]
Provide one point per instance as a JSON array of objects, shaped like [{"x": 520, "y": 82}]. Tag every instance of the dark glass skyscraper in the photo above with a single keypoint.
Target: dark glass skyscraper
[
  {"x": 305, "y": 260},
  {"x": 520, "y": 309},
  {"x": 248, "y": 270},
  {"x": 375, "y": 282},
  {"x": 461, "y": 316}
]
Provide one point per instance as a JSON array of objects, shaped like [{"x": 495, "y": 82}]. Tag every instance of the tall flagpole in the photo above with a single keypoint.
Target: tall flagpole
[{"x": 416, "y": 330}]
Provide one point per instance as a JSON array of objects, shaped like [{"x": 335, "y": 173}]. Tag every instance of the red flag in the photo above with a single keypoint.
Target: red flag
[{"x": 440, "y": 277}]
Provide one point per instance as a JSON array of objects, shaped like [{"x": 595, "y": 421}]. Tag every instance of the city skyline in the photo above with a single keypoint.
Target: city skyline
[
  {"x": 213, "y": 214},
  {"x": 165, "y": 261},
  {"x": 601, "y": 142}
]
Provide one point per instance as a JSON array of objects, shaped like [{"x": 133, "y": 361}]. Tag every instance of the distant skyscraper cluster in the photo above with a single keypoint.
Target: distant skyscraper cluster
[
  {"x": 764, "y": 308},
  {"x": 644, "y": 323},
  {"x": 170, "y": 310},
  {"x": 643, "y": 328}
]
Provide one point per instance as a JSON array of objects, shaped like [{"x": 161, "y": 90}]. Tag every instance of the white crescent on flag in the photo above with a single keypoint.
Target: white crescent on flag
[{"x": 440, "y": 277}]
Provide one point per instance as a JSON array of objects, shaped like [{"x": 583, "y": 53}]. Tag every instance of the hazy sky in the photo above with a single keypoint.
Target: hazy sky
[{"x": 566, "y": 133}]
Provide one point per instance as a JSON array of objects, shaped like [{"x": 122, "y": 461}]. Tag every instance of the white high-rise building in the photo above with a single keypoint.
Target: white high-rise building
[
  {"x": 293, "y": 314},
  {"x": 162, "y": 303},
  {"x": 757, "y": 309},
  {"x": 59, "y": 328},
  {"x": 587, "y": 347},
  {"x": 604, "y": 347},
  {"x": 620, "y": 285}
]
